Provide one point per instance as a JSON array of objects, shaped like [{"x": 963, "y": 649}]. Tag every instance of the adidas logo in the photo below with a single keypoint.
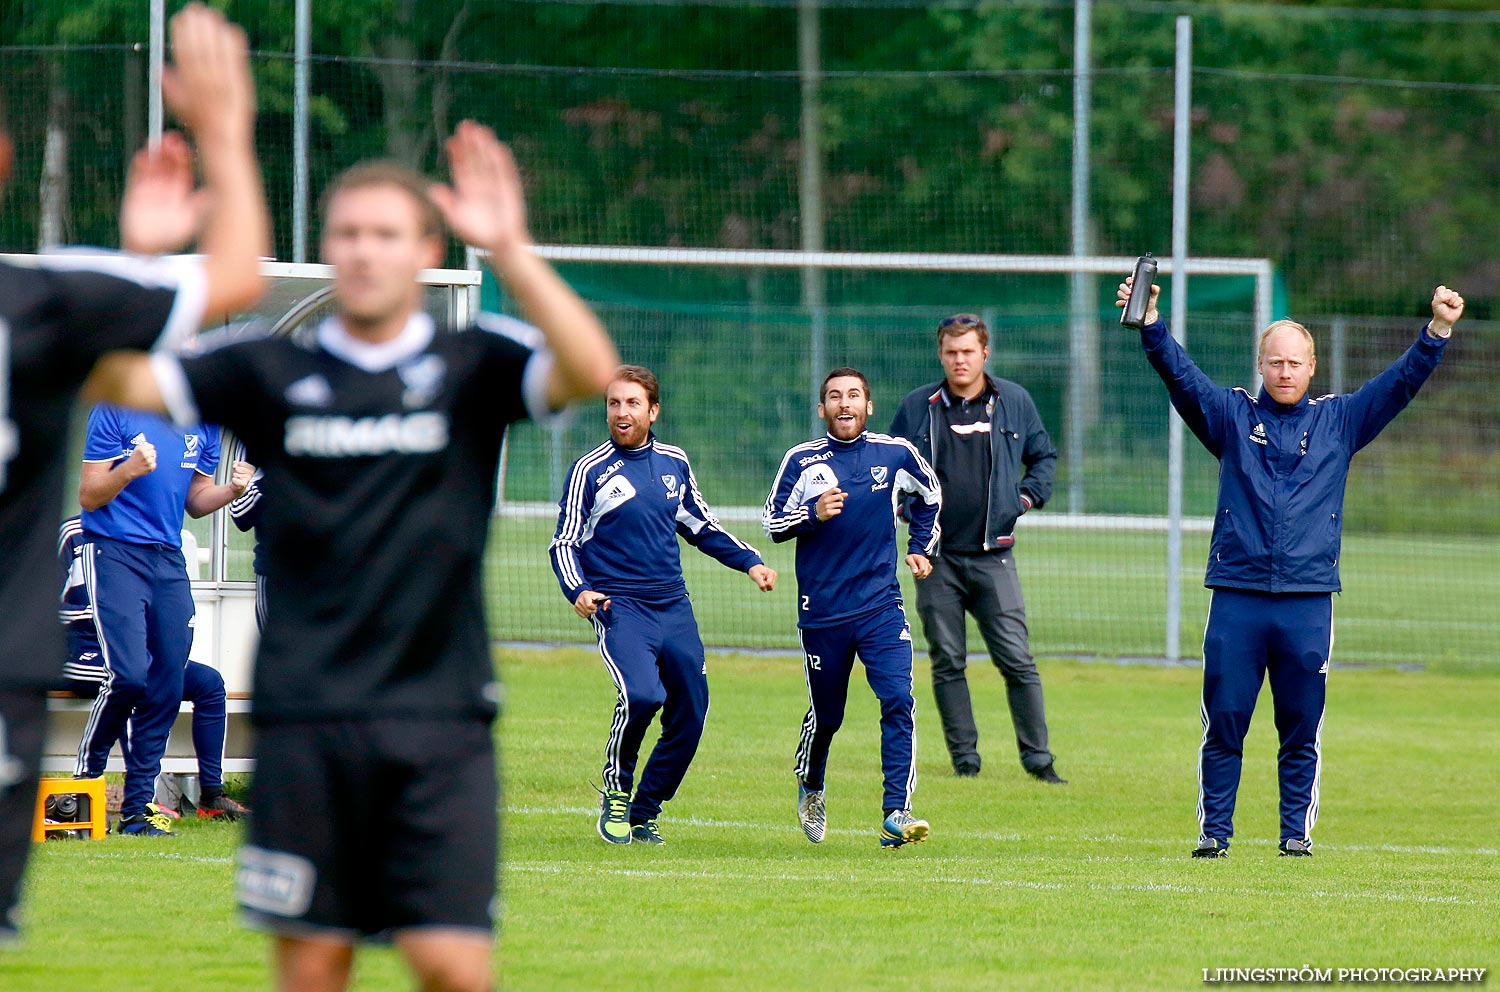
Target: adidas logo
[
  {"x": 311, "y": 390},
  {"x": 138, "y": 440},
  {"x": 1258, "y": 434}
]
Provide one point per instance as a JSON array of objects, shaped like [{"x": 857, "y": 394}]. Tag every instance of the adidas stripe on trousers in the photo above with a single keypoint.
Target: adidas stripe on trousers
[
  {"x": 882, "y": 640},
  {"x": 1252, "y": 635},
  {"x": 655, "y": 659}
]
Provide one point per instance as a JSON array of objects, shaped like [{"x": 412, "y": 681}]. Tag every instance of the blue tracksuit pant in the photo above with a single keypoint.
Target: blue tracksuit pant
[
  {"x": 655, "y": 658},
  {"x": 143, "y": 612},
  {"x": 202, "y": 686},
  {"x": 882, "y": 639},
  {"x": 1249, "y": 635}
]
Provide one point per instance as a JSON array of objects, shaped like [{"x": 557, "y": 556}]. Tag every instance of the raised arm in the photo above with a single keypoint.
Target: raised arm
[
  {"x": 485, "y": 207},
  {"x": 1372, "y": 406},
  {"x": 1201, "y": 404},
  {"x": 789, "y": 511},
  {"x": 247, "y": 508},
  {"x": 209, "y": 88}
]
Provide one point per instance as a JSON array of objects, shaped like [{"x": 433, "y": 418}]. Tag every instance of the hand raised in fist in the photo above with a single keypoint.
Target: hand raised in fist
[
  {"x": 830, "y": 504},
  {"x": 1447, "y": 307},
  {"x": 142, "y": 460}
]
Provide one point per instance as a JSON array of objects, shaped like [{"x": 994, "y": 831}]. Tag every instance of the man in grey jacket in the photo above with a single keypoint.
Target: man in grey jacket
[{"x": 984, "y": 438}]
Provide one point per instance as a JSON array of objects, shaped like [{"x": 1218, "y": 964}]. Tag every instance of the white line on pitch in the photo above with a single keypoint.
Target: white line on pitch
[
  {"x": 698, "y": 821},
  {"x": 981, "y": 882}
]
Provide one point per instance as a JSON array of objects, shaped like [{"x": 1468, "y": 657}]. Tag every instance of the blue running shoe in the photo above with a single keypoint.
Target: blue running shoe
[
  {"x": 148, "y": 824},
  {"x": 647, "y": 833},
  {"x": 900, "y": 827}
]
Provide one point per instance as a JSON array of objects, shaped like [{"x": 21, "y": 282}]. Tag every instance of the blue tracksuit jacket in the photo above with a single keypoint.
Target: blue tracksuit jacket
[
  {"x": 1282, "y": 469},
  {"x": 619, "y": 518},
  {"x": 846, "y": 565}
]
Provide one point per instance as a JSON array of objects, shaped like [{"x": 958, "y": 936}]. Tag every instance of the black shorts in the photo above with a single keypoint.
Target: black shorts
[
  {"x": 366, "y": 827},
  {"x": 23, "y": 729}
]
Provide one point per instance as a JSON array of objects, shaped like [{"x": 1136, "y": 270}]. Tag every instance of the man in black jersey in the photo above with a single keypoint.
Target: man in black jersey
[
  {"x": 60, "y": 314},
  {"x": 374, "y": 686}
]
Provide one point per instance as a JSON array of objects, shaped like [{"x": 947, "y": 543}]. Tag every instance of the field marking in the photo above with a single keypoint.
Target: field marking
[
  {"x": 119, "y": 855},
  {"x": 697, "y": 821},
  {"x": 984, "y": 882}
]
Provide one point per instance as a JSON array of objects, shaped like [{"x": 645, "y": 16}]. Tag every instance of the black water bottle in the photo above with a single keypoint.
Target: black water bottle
[{"x": 1140, "y": 293}]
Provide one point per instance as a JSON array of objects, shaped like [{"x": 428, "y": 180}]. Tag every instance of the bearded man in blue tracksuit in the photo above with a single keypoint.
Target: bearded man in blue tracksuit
[
  {"x": 837, "y": 496},
  {"x": 1273, "y": 562},
  {"x": 616, "y": 557}
]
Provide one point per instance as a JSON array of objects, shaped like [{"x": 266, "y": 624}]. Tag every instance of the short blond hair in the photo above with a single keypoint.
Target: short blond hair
[{"x": 1285, "y": 325}]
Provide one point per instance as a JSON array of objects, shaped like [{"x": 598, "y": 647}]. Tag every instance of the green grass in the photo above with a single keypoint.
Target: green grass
[
  {"x": 1430, "y": 602},
  {"x": 1021, "y": 886}
]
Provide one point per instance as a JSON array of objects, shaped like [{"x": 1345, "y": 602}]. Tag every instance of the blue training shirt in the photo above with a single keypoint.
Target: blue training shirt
[
  {"x": 618, "y": 521},
  {"x": 846, "y": 565},
  {"x": 149, "y": 509},
  {"x": 1282, "y": 469}
]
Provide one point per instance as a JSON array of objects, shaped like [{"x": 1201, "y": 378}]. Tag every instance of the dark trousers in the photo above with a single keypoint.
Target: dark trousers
[
  {"x": 203, "y": 686},
  {"x": 143, "y": 611},
  {"x": 1251, "y": 634},
  {"x": 23, "y": 726},
  {"x": 655, "y": 658},
  {"x": 986, "y": 585},
  {"x": 882, "y": 640}
]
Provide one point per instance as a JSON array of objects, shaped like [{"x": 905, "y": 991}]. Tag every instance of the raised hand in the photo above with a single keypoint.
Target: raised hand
[
  {"x": 161, "y": 211},
  {"x": 830, "y": 504},
  {"x": 208, "y": 85},
  {"x": 1447, "y": 307},
  {"x": 485, "y": 205},
  {"x": 240, "y": 476},
  {"x": 1122, "y": 296},
  {"x": 142, "y": 460}
]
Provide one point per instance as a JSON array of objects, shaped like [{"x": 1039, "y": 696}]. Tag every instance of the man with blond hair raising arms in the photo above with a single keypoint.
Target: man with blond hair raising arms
[{"x": 1273, "y": 562}]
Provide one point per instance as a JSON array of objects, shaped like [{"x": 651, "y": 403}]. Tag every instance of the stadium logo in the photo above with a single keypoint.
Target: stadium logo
[
  {"x": 614, "y": 467},
  {"x": 1258, "y": 434},
  {"x": 804, "y": 462},
  {"x": 350, "y": 437}
]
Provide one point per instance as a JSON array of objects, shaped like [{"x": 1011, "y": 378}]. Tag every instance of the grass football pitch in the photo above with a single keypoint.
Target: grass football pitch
[{"x": 1021, "y": 886}]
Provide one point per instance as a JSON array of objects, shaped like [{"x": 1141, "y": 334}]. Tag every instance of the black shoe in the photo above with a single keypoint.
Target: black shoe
[
  {"x": 1294, "y": 848},
  {"x": 1046, "y": 774},
  {"x": 966, "y": 769},
  {"x": 1210, "y": 848}
]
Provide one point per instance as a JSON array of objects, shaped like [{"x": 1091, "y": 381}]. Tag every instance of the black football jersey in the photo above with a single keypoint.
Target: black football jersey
[
  {"x": 383, "y": 462},
  {"x": 58, "y": 314}
]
